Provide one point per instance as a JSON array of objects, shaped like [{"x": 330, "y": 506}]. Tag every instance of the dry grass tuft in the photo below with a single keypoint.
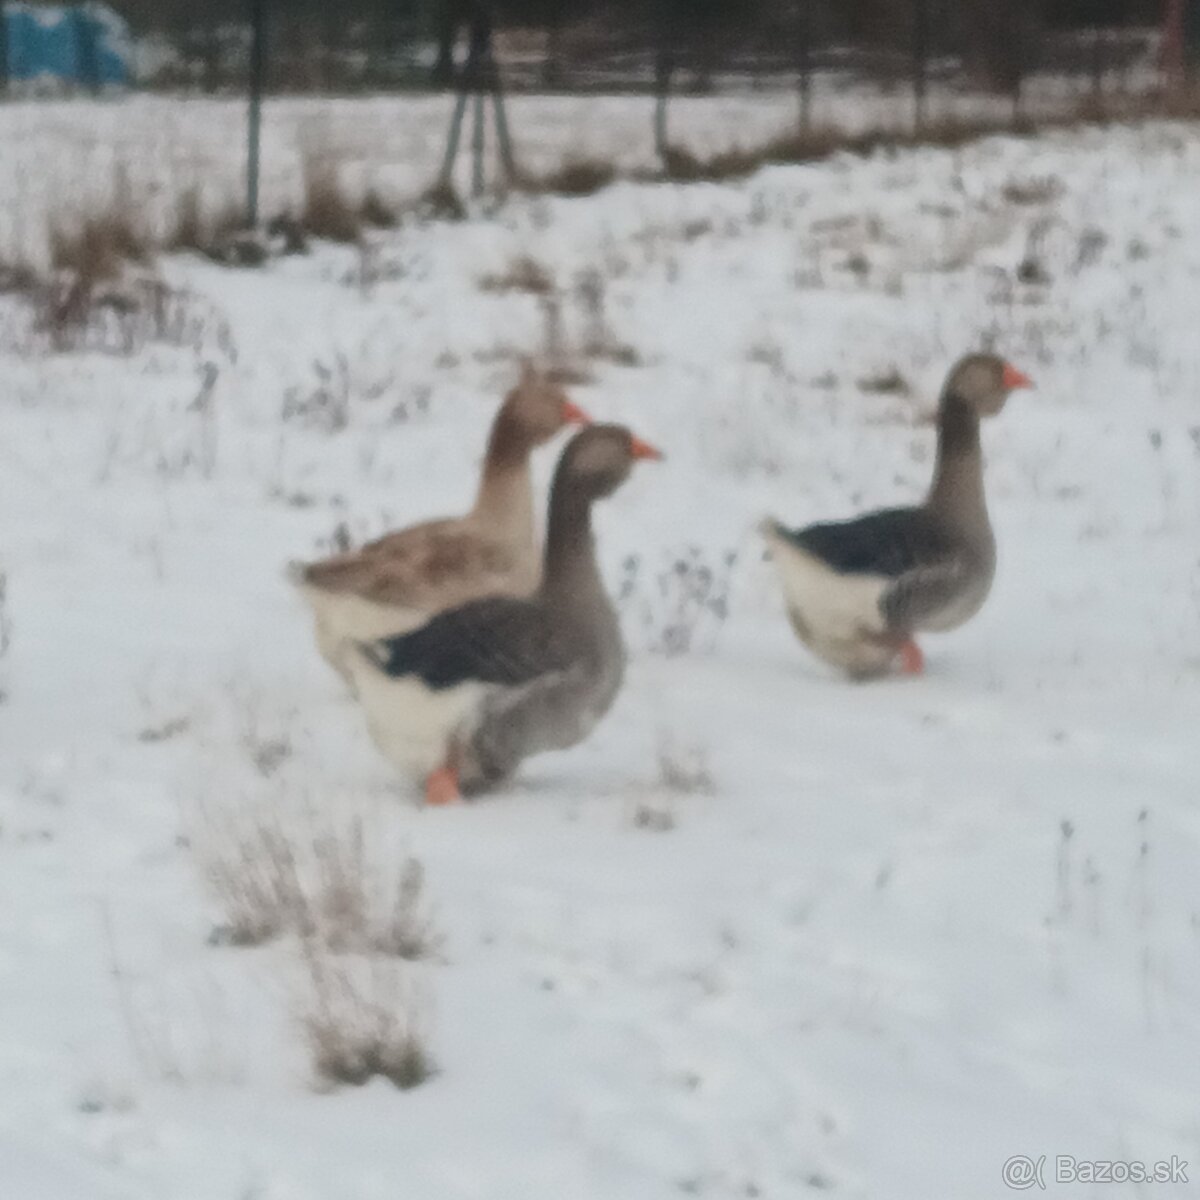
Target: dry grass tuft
[
  {"x": 253, "y": 875},
  {"x": 891, "y": 382},
  {"x": 948, "y": 132},
  {"x": 682, "y": 166},
  {"x": 326, "y": 208},
  {"x": 523, "y": 274},
  {"x": 654, "y": 818},
  {"x": 199, "y": 232},
  {"x": 1032, "y": 191},
  {"x": 684, "y": 770},
  {"x": 376, "y": 212},
  {"x": 315, "y": 878},
  {"x": 97, "y": 248},
  {"x": 17, "y": 279},
  {"x": 442, "y": 202},
  {"x": 188, "y": 232},
  {"x": 360, "y": 1021},
  {"x": 575, "y": 177}
]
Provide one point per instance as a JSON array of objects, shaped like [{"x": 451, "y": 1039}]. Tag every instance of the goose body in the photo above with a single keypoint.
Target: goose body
[
  {"x": 397, "y": 582},
  {"x": 858, "y": 591},
  {"x": 464, "y": 698}
]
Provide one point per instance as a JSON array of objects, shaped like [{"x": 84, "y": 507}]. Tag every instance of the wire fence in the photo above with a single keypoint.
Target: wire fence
[
  {"x": 845, "y": 70},
  {"x": 624, "y": 45}
]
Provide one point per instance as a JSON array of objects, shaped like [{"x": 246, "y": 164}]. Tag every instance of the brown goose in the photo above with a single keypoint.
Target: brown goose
[
  {"x": 463, "y": 699},
  {"x": 857, "y": 591},
  {"x": 398, "y": 581}
]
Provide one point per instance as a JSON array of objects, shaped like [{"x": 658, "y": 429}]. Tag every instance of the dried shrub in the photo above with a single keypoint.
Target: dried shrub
[
  {"x": 209, "y": 233},
  {"x": 683, "y": 770},
  {"x": 316, "y": 878},
  {"x": 575, "y": 177},
  {"x": 599, "y": 341},
  {"x": 523, "y": 274},
  {"x": 442, "y": 202},
  {"x": 376, "y": 212},
  {"x": 96, "y": 248},
  {"x": 187, "y": 231},
  {"x": 682, "y": 166},
  {"x": 68, "y": 313},
  {"x": 1032, "y": 191},
  {"x": 686, "y": 596},
  {"x": 890, "y": 382},
  {"x": 361, "y": 1021},
  {"x": 654, "y": 817},
  {"x": 252, "y": 873},
  {"x": 17, "y": 279},
  {"x": 326, "y": 208},
  {"x": 325, "y": 404}
]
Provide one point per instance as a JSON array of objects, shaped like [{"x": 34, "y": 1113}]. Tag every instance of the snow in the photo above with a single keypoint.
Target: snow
[{"x": 900, "y": 932}]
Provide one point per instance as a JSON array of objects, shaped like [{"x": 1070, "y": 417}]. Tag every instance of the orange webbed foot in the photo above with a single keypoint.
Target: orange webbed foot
[
  {"x": 441, "y": 787},
  {"x": 912, "y": 661}
]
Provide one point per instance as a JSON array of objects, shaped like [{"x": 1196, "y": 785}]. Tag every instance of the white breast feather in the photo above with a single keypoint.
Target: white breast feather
[
  {"x": 343, "y": 619},
  {"x": 413, "y": 724},
  {"x": 836, "y": 607}
]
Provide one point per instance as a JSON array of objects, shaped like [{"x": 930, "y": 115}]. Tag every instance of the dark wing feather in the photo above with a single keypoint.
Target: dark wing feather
[
  {"x": 498, "y": 640},
  {"x": 890, "y": 542},
  {"x": 919, "y": 594}
]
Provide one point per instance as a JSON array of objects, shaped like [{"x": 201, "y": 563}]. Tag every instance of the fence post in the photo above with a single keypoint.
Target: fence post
[
  {"x": 1020, "y": 34},
  {"x": 1099, "y": 63},
  {"x": 3, "y": 49},
  {"x": 920, "y": 52},
  {"x": 662, "y": 91},
  {"x": 803, "y": 65},
  {"x": 258, "y": 69}
]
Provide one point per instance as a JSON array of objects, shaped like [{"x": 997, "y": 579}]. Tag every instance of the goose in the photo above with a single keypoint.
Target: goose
[
  {"x": 858, "y": 591},
  {"x": 463, "y": 699},
  {"x": 397, "y": 582}
]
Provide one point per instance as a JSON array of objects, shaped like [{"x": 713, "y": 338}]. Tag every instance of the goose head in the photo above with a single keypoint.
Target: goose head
[
  {"x": 985, "y": 381},
  {"x": 600, "y": 458},
  {"x": 538, "y": 408}
]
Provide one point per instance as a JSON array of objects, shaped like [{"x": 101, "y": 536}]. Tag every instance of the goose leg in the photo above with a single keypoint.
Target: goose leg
[
  {"x": 441, "y": 787},
  {"x": 912, "y": 661}
]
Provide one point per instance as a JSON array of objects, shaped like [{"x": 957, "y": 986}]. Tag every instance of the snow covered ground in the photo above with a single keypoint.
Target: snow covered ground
[
  {"x": 67, "y": 157},
  {"x": 767, "y": 934}
]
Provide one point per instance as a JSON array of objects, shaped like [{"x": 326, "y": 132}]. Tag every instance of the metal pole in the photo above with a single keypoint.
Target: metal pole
[
  {"x": 3, "y": 48},
  {"x": 478, "y": 141},
  {"x": 456, "y": 121},
  {"x": 803, "y": 65},
  {"x": 1098, "y": 64},
  {"x": 662, "y": 81},
  {"x": 920, "y": 61},
  {"x": 258, "y": 65},
  {"x": 1020, "y": 42},
  {"x": 508, "y": 159}
]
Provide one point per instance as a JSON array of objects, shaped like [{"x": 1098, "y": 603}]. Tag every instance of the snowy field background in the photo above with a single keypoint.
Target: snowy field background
[
  {"x": 767, "y": 934},
  {"x": 67, "y": 159}
]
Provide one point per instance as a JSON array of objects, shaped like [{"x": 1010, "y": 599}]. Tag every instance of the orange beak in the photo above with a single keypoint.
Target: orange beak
[
  {"x": 640, "y": 449},
  {"x": 1014, "y": 379},
  {"x": 572, "y": 414}
]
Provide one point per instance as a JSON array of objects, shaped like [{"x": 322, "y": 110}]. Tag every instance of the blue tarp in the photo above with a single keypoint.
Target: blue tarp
[{"x": 86, "y": 44}]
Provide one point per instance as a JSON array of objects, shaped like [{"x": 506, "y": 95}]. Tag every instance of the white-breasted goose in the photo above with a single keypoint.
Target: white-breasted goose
[
  {"x": 400, "y": 580},
  {"x": 464, "y": 699},
  {"x": 857, "y": 591}
]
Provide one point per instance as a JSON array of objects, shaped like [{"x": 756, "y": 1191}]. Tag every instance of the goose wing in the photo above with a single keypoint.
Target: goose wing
[
  {"x": 499, "y": 641},
  {"x": 888, "y": 543},
  {"x": 917, "y": 597},
  {"x": 426, "y": 566}
]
